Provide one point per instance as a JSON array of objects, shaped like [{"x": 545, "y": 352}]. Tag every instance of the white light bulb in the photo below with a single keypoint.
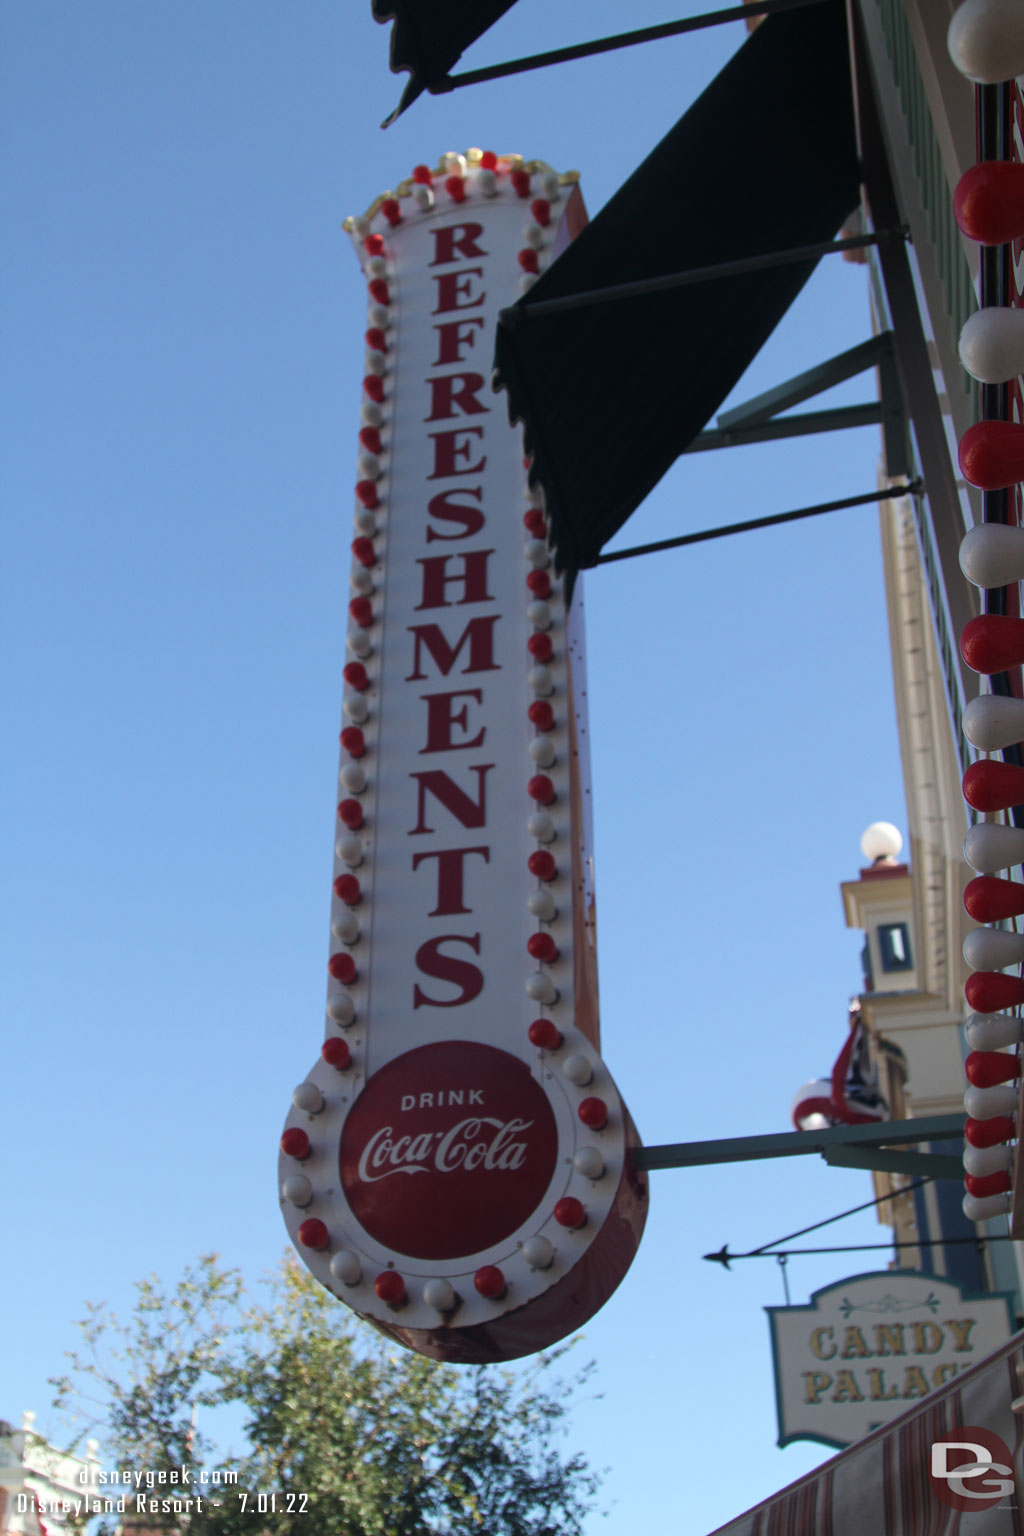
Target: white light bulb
[
  {"x": 308, "y": 1098},
  {"x": 538, "y": 1252},
  {"x": 341, "y": 1009},
  {"x": 297, "y": 1189},
  {"x": 346, "y": 1267}
]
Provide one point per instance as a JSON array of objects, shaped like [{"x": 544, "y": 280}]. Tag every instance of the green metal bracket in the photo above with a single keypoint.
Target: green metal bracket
[
  {"x": 813, "y": 381},
  {"x": 805, "y": 425},
  {"x": 758, "y": 420},
  {"x": 838, "y": 1144},
  {"x": 889, "y": 1160}
]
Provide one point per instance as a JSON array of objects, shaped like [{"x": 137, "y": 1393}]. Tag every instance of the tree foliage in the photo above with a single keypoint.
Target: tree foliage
[{"x": 346, "y": 1435}]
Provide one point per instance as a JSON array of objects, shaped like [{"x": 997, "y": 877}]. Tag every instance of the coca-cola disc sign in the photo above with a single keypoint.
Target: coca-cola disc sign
[
  {"x": 450, "y": 1169},
  {"x": 457, "y": 1164}
]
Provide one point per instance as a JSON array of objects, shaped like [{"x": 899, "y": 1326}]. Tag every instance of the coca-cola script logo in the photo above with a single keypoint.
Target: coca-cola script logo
[{"x": 448, "y": 1150}]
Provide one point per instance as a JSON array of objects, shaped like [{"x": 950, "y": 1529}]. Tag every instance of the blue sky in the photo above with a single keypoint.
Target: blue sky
[{"x": 182, "y": 326}]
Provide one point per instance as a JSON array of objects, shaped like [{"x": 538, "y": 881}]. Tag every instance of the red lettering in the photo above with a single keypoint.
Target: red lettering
[
  {"x": 445, "y": 396},
  {"x": 478, "y": 632},
  {"x": 448, "y": 449},
  {"x": 463, "y": 974},
  {"x": 442, "y": 719},
  {"x": 453, "y": 335},
  {"x": 453, "y": 286},
  {"x": 450, "y": 874},
  {"x": 437, "y": 577},
  {"x": 456, "y": 237},
  {"x": 471, "y": 813},
  {"x": 442, "y": 506}
]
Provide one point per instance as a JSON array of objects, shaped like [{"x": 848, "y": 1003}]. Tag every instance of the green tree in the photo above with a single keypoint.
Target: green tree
[{"x": 347, "y": 1435}]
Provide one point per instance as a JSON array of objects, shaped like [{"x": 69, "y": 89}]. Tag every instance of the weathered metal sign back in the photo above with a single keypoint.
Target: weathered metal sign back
[{"x": 456, "y": 1165}]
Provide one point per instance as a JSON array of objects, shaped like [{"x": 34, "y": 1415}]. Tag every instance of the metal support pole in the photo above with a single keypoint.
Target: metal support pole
[
  {"x": 525, "y": 310},
  {"x": 882, "y": 1137},
  {"x": 609, "y": 44},
  {"x": 912, "y": 488}
]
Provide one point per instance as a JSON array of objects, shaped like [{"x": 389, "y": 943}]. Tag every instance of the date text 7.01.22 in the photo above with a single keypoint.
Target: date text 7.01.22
[{"x": 273, "y": 1503}]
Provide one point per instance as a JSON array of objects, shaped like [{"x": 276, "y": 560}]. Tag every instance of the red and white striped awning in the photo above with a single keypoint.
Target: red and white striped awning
[{"x": 881, "y": 1485}]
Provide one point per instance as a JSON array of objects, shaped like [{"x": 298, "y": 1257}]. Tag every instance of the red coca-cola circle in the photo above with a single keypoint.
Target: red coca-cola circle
[{"x": 448, "y": 1150}]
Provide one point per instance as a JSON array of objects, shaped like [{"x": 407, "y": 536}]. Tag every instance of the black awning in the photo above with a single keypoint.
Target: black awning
[
  {"x": 429, "y": 36},
  {"x": 611, "y": 393}
]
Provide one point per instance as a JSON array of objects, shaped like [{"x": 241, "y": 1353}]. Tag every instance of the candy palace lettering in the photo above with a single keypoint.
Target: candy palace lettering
[
  {"x": 854, "y": 1383},
  {"x": 465, "y": 1146}
]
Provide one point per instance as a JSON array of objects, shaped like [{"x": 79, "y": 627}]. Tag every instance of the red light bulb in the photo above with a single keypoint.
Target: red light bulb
[
  {"x": 374, "y": 245},
  {"x": 989, "y": 899},
  {"x": 991, "y": 454},
  {"x": 569, "y": 1212},
  {"x": 985, "y": 1069},
  {"x": 991, "y": 991},
  {"x": 536, "y": 523},
  {"x": 391, "y": 211},
  {"x": 988, "y": 203},
  {"x": 544, "y": 1035},
  {"x": 353, "y": 740},
  {"x": 540, "y": 647},
  {"x": 350, "y": 812},
  {"x": 421, "y": 175},
  {"x": 370, "y": 439},
  {"x": 539, "y": 583},
  {"x": 356, "y": 675},
  {"x": 989, "y": 1133},
  {"x": 521, "y": 182},
  {"x": 379, "y": 291},
  {"x": 314, "y": 1234},
  {"x": 543, "y": 948},
  {"x": 342, "y": 967},
  {"x": 373, "y": 387},
  {"x": 594, "y": 1114},
  {"x": 348, "y": 890},
  {"x": 992, "y": 643},
  {"x": 361, "y": 610},
  {"x": 542, "y": 864},
  {"x": 390, "y": 1287},
  {"x": 336, "y": 1054},
  {"x": 987, "y": 1184},
  {"x": 488, "y": 161},
  {"x": 541, "y": 210},
  {"x": 541, "y": 789},
  {"x": 366, "y": 492},
  {"x": 490, "y": 1282},
  {"x": 529, "y": 260},
  {"x": 456, "y": 189},
  {"x": 541, "y": 714},
  {"x": 992, "y": 786},
  {"x": 295, "y": 1143},
  {"x": 364, "y": 551}
]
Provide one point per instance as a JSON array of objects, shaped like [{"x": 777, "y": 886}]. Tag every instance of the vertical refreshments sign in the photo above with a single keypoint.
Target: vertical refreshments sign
[{"x": 456, "y": 1166}]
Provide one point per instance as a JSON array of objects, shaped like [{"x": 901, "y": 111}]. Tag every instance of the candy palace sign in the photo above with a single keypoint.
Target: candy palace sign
[
  {"x": 868, "y": 1347},
  {"x": 456, "y": 1165}
]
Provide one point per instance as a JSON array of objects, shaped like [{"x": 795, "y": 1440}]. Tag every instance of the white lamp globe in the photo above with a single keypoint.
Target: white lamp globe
[{"x": 881, "y": 841}]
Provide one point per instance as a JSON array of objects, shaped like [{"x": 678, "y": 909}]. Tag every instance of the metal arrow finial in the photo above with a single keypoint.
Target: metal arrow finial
[{"x": 721, "y": 1257}]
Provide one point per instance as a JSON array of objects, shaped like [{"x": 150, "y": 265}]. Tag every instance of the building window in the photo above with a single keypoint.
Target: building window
[{"x": 894, "y": 945}]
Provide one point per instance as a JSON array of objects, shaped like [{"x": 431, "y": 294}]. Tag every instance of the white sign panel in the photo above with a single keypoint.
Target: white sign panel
[
  {"x": 457, "y": 1164},
  {"x": 867, "y": 1348}
]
